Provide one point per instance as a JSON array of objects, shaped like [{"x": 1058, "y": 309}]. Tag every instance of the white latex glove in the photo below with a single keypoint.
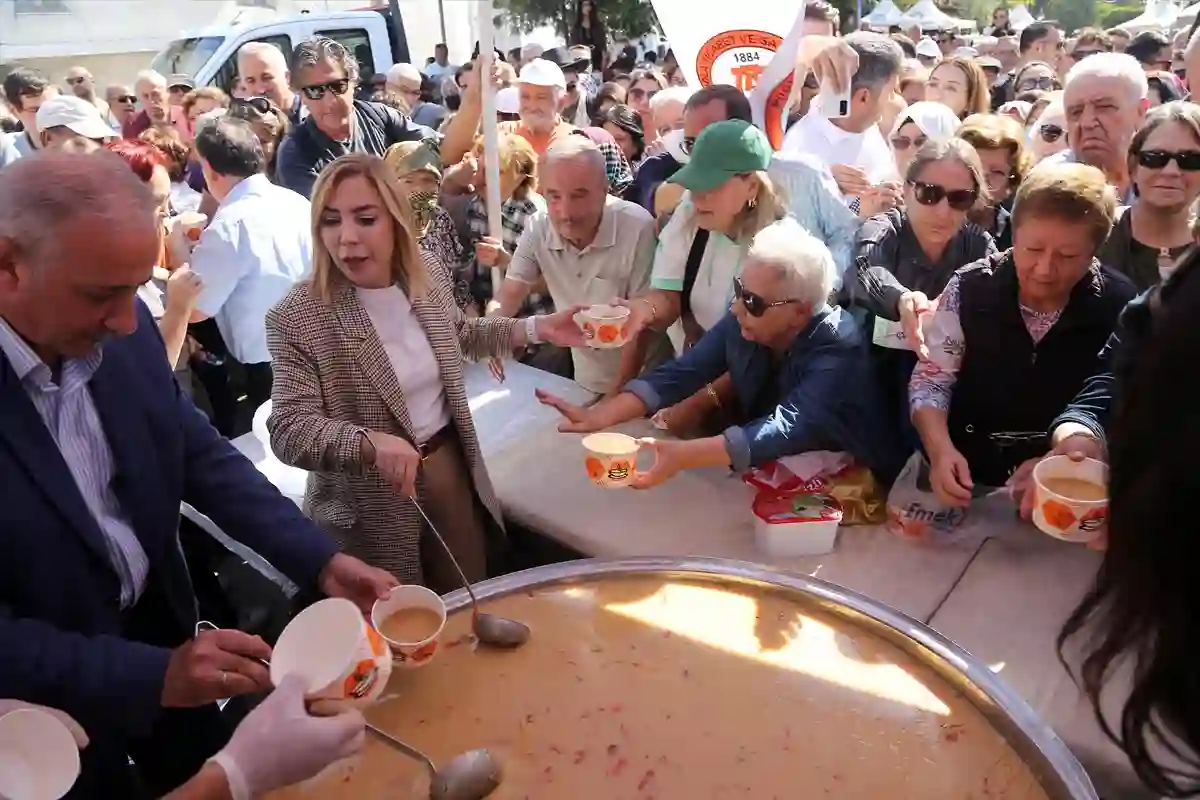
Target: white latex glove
[
  {"x": 77, "y": 731},
  {"x": 280, "y": 743}
]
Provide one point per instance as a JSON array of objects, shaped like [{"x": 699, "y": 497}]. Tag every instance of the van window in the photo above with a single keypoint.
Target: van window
[
  {"x": 228, "y": 72},
  {"x": 358, "y": 44}
]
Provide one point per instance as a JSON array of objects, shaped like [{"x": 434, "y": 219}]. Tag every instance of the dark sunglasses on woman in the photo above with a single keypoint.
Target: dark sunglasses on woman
[
  {"x": 930, "y": 194},
  {"x": 1050, "y": 133},
  {"x": 1188, "y": 160},
  {"x": 317, "y": 90},
  {"x": 905, "y": 142},
  {"x": 1044, "y": 83},
  {"x": 754, "y": 304}
]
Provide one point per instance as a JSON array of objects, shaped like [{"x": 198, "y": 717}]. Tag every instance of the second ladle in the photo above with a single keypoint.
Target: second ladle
[
  {"x": 472, "y": 775},
  {"x": 490, "y": 629}
]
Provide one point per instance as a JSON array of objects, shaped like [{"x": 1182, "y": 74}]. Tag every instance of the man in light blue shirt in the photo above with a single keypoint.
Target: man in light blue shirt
[{"x": 258, "y": 244}]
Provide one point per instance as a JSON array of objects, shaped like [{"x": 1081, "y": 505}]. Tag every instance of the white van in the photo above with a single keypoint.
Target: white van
[{"x": 210, "y": 56}]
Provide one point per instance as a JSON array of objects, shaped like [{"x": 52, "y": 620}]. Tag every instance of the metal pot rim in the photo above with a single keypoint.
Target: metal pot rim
[{"x": 1044, "y": 752}]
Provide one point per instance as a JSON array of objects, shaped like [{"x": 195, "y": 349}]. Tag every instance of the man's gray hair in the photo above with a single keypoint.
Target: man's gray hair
[
  {"x": 321, "y": 48},
  {"x": 403, "y": 72},
  {"x": 672, "y": 94},
  {"x": 879, "y": 60},
  {"x": 570, "y": 148},
  {"x": 150, "y": 76},
  {"x": 264, "y": 51},
  {"x": 1111, "y": 66},
  {"x": 800, "y": 260},
  {"x": 43, "y": 195}
]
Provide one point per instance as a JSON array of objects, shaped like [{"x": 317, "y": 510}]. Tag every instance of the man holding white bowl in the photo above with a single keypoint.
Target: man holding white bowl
[{"x": 589, "y": 248}]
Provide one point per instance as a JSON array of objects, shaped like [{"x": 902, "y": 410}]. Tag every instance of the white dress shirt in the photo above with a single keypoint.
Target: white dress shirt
[
  {"x": 814, "y": 135},
  {"x": 412, "y": 359},
  {"x": 258, "y": 245}
]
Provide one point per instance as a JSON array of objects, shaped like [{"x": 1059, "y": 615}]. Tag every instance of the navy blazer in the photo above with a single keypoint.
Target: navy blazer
[{"x": 60, "y": 615}]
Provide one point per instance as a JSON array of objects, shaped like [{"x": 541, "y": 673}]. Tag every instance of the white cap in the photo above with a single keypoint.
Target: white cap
[
  {"x": 72, "y": 112},
  {"x": 508, "y": 101},
  {"x": 541, "y": 72},
  {"x": 929, "y": 48},
  {"x": 966, "y": 52}
]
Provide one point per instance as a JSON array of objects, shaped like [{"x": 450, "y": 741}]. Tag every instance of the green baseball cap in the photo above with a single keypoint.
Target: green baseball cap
[{"x": 722, "y": 150}]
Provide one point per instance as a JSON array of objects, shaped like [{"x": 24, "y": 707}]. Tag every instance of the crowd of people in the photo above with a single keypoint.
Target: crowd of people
[{"x": 986, "y": 260}]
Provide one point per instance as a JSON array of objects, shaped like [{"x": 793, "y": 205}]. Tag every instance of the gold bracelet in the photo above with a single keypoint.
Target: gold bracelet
[
  {"x": 653, "y": 308},
  {"x": 712, "y": 393}
]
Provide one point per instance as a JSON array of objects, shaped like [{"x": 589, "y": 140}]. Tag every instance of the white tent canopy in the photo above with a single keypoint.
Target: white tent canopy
[
  {"x": 1158, "y": 16},
  {"x": 884, "y": 15},
  {"x": 928, "y": 17},
  {"x": 1188, "y": 15}
]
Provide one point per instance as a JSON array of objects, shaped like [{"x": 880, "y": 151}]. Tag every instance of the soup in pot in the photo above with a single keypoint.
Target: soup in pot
[{"x": 648, "y": 687}]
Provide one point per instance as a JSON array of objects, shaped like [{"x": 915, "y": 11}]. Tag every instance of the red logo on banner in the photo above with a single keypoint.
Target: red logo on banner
[{"x": 744, "y": 54}]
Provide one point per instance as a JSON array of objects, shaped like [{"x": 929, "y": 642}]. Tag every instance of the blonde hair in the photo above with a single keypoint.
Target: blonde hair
[
  {"x": 204, "y": 93},
  {"x": 767, "y": 208},
  {"x": 517, "y": 157},
  {"x": 1068, "y": 192},
  {"x": 407, "y": 266},
  {"x": 993, "y": 132},
  {"x": 979, "y": 96}
]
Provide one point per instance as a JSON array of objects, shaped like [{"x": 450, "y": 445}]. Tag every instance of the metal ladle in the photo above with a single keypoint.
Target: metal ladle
[
  {"x": 490, "y": 629},
  {"x": 472, "y": 775},
  {"x": 468, "y": 776}
]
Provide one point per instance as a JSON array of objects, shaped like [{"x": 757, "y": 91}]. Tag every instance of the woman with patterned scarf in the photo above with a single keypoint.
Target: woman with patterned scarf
[{"x": 417, "y": 166}]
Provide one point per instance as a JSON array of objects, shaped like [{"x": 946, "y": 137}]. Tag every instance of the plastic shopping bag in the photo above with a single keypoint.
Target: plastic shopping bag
[{"x": 915, "y": 514}]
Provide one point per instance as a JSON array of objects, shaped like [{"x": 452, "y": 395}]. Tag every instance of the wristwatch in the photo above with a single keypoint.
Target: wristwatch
[{"x": 531, "y": 334}]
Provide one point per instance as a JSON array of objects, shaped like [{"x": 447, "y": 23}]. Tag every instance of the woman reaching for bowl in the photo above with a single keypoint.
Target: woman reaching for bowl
[
  {"x": 369, "y": 392},
  {"x": 800, "y": 376}
]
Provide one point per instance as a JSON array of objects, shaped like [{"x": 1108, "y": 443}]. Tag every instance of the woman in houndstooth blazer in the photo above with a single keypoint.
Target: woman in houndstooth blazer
[{"x": 368, "y": 388}]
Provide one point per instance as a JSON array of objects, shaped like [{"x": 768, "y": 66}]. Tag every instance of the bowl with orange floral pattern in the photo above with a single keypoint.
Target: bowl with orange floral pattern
[
  {"x": 1070, "y": 498},
  {"x": 605, "y": 326},
  {"x": 611, "y": 459}
]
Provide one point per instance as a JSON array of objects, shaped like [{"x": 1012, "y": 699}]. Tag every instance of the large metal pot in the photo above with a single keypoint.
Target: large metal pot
[{"x": 1059, "y": 773}]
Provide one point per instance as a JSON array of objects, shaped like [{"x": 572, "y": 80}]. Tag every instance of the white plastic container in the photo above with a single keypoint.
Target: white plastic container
[{"x": 792, "y": 524}]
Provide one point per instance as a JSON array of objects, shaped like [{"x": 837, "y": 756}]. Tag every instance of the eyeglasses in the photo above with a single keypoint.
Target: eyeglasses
[
  {"x": 930, "y": 194},
  {"x": 1050, "y": 133},
  {"x": 260, "y": 104},
  {"x": 1044, "y": 83},
  {"x": 1188, "y": 160},
  {"x": 904, "y": 142},
  {"x": 754, "y": 304},
  {"x": 317, "y": 90}
]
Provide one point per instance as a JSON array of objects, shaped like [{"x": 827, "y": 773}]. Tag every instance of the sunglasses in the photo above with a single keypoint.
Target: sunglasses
[
  {"x": 75, "y": 81},
  {"x": 754, "y": 304},
  {"x": 930, "y": 194},
  {"x": 1188, "y": 160},
  {"x": 1045, "y": 83},
  {"x": 127, "y": 98},
  {"x": 1050, "y": 133},
  {"x": 260, "y": 104},
  {"x": 904, "y": 142},
  {"x": 317, "y": 90},
  {"x": 640, "y": 93}
]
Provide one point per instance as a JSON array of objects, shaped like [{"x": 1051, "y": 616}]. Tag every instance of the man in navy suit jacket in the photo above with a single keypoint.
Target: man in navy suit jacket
[{"x": 98, "y": 447}]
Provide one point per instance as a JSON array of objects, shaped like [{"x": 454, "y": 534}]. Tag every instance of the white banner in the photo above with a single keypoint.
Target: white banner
[{"x": 738, "y": 44}]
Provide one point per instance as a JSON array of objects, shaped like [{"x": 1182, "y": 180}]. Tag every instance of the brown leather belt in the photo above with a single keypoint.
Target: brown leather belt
[{"x": 434, "y": 443}]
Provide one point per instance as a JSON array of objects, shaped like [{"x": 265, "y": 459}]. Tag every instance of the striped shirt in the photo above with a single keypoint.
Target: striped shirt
[{"x": 71, "y": 417}]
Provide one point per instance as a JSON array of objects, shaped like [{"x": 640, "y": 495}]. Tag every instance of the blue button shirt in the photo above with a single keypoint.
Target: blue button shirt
[{"x": 821, "y": 395}]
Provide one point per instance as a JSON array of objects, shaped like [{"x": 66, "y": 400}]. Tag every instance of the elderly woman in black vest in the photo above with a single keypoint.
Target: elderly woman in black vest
[{"x": 1015, "y": 335}]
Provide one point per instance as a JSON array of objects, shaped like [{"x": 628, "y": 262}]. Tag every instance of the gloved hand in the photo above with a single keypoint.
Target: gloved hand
[
  {"x": 280, "y": 743},
  {"x": 77, "y": 731}
]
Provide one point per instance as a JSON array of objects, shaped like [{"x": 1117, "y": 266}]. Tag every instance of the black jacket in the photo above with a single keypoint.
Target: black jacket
[
  {"x": 1010, "y": 389},
  {"x": 306, "y": 150}
]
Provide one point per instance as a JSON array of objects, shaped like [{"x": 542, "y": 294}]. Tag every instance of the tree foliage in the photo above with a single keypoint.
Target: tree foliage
[{"x": 624, "y": 19}]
